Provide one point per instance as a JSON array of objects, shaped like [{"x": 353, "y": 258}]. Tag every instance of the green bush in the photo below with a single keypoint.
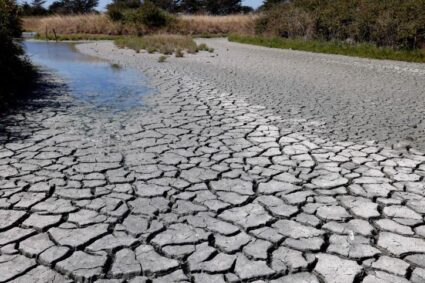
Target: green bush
[
  {"x": 393, "y": 23},
  {"x": 16, "y": 72},
  {"x": 147, "y": 16}
]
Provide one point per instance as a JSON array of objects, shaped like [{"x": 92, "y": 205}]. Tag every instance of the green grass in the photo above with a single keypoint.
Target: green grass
[
  {"x": 162, "y": 58},
  {"x": 364, "y": 50},
  {"x": 162, "y": 43},
  {"x": 166, "y": 44},
  {"x": 71, "y": 37}
]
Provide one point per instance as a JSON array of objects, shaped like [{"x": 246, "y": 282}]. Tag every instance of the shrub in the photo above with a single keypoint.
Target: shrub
[
  {"x": 151, "y": 16},
  {"x": 162, "y": 58},
  {"x": 164, "y": 43},
  {"x": 16, "y": 72},
  {"x": 179, "y": 53},
  {"x": 393, "y": 23},
  {"x": 145, "y": 17}
]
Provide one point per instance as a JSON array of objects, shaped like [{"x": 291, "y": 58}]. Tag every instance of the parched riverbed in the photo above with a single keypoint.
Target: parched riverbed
[{"x": 194, "y": 181}]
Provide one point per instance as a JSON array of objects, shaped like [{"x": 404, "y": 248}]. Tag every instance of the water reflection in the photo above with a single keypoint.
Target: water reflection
[{"x": 94, "y": 81}]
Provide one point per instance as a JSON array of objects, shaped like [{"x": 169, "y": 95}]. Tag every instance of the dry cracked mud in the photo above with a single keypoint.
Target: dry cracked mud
[{"x": 199, "y": 186}]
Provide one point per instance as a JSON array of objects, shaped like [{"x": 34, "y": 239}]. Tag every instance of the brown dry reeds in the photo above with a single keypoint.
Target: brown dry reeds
[
  {"x": 206, "y": 24},
  {"x": 101, "y": 24},
  {"x": 75, "y": 24}
]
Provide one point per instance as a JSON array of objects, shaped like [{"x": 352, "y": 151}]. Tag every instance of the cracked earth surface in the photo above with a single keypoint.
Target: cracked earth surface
[{"x": 199, "y": 186}]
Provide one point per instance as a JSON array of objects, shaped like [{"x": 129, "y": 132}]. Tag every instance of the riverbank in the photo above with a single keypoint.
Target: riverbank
[
  {"x": 338, "y": 97},
  {"x": 198, "y": 185},
  {"x": 362, "y": 50}
]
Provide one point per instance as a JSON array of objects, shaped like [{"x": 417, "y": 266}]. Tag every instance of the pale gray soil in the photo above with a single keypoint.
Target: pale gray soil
[
  {"x": 354, "y": 99},
  {"x": 200, "y": 186}
]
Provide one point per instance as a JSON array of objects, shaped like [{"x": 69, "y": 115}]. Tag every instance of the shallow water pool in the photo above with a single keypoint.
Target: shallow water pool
[{"x": 90, "y": 80}]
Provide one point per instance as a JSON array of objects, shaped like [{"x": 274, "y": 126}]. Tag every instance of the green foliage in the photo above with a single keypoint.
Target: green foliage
[
  {"x": 365, "y": 50},
  {"x": 166, "y": 44},
  {"x": 73, "y": 6},
  {"x": 162, "y": 58},
  {"x": 222, "y": 7},
  {"x": 151, "y": 16},
  {"x": 16, "y": 71},
  {"x": 145, "y": 16},
  {"x": 35, "y": 8},
  {"x": 179, "y": 53},
  {"x": 393, "y": 23},
  {"x": 151, "y": 9}
]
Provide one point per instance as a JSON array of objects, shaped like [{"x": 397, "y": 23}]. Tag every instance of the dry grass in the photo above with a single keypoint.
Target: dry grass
[
  {"x": 100, "y": 24},
  {"x": 76, "y": 24},
  {"x": 199, "y": 24}
]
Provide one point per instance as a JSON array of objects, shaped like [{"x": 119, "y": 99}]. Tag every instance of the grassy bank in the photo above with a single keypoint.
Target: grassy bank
[
  {"x": 163, "y": 43},
  {"x": 363, "y": 50},
  {"x": 100, "y": 24}
]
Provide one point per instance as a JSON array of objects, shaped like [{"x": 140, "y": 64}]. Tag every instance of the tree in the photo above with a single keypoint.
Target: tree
[
  {"x": 167, "y": 5},
  {"x": 16, "y": 71},
  {"x": 35, "y": 8},
  {"x": 267, "y": 4},
  {"x": 191, "y": 6},
  {"x": 73, "y": 6},
  {"x": 215, "y": 7},
  {"x": 223, "y": 7},
  {"x": 83, "y": 6}
]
